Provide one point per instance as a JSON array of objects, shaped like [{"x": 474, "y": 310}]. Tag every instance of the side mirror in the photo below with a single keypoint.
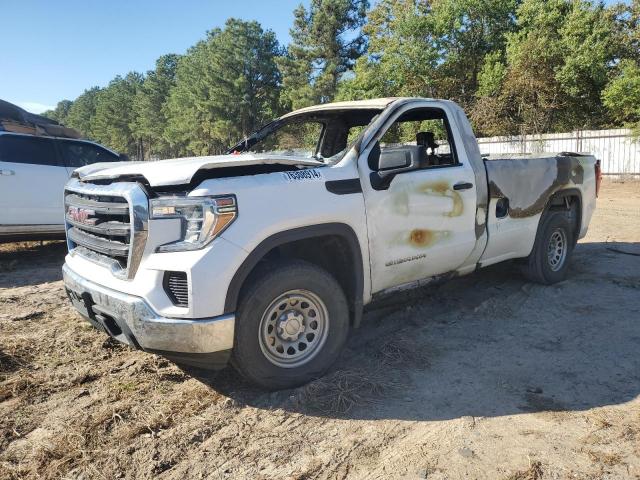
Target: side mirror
[
  {"x": 374, "y": 157},
  {"x": 394, "y": 160},
  {"x": 124, "y": 157},
  {"x": 386, "y": 165},
  {"x": 390, "y": 159}
]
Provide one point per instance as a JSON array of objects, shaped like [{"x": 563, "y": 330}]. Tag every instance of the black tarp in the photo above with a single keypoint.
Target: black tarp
[{"x": 13, "y": 114}]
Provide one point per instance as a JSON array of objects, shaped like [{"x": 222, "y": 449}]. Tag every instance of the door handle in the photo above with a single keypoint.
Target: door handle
[
  {"x": 463, "y": 186},
  {"x": 6, "y": 173}
]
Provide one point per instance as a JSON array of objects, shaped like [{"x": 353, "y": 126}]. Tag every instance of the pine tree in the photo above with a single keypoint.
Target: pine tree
[
  {"x": 149, "y": 105},
  {"x": 326, "y": 40},
  {"x": 226, "y": 87},
  {"x": 82, "y": 112},
  {"x": 113, "y": 123},
  {"x": 60, "y": 113}
]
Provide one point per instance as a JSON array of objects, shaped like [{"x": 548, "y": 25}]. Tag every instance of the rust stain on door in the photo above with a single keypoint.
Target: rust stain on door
[{"x": 424, "y": 238}]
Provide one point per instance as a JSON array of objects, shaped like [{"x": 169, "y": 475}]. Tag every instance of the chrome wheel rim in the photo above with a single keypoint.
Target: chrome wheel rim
[
  {"x": 293, "y": 328},
  {"x": 557, "y": 250}
]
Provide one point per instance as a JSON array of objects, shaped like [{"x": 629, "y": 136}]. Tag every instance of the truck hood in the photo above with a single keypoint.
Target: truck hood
[{"x": 179, "y": 171}]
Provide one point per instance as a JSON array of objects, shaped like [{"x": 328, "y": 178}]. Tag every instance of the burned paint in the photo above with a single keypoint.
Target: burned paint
[
  {"x": 444, "y": 189},
  {"x": 418, "y": 238},
  {"x": 529, "y": 183},
  {"x": 439, "y": 187},
  {"x": 421, "y": 237},
  {"x": 411, "y": 199},
  {"x": 481, "y": 215},
  {"x": 475, "y": 159},
  {"x": 458, "y": 205}
]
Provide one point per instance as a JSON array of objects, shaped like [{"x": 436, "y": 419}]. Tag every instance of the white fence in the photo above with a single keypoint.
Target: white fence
[{"x": 619, "y": 154}]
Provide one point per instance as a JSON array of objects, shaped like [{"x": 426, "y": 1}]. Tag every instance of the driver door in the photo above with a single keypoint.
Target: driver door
[{"x": 422, "y": 224}]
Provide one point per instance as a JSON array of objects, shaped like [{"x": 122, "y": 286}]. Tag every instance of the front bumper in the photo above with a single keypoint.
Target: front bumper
[{"x": 130, "y": 320}]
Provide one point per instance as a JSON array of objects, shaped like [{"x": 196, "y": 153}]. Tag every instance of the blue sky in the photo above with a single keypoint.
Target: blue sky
[{"x": 52, "y": 50}]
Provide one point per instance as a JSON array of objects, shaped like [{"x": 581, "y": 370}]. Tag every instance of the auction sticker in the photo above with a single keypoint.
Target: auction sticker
[{"x": 308, "y": 175}]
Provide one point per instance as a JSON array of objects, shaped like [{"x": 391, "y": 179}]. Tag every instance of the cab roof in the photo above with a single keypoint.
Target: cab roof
[
  {"x": 371, "y": 104},
  {"x": 374, "y": 103}
]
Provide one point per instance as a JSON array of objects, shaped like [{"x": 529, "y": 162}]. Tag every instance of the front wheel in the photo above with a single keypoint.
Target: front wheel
[
  {"x": 291, "y": 324},
  {"x": 549, "y": 260}
]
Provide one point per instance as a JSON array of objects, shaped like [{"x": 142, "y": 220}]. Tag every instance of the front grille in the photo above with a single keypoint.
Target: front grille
[
  {"x": 177, "y": 288},
  {"x": 100, "y": 224},
  {"x": 107, "y": 224}
]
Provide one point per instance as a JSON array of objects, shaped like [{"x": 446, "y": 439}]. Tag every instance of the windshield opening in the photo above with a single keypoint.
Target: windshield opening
[{"x": 324, "y": 136}]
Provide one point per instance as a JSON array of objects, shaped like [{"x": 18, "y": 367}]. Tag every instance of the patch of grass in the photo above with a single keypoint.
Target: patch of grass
[
  {"x": 601, "y": 421},
  {"x": 17, "y": 247},
  {"x": 630, "y": 432},
  {"x": 343, "y": 390},
  {"x": 9, "y": 473},
  {"x": 20, "y": 383},
  {"x": 34, "y": 315},
  {"x": 184, "y": 400},
  {"x": 127, "y": 386},
  {"x": 534, "y": 472},
  {"x": 609, "y": 459},
  {"x": 65, "y": 452},
  {"x": 10, "y": 361}
]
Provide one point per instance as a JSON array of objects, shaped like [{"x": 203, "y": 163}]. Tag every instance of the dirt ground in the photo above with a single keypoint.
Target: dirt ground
[{"x": 486, "y": 376}]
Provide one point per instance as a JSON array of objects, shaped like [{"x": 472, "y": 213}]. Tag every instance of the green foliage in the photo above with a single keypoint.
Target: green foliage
[
  {"x": 150, "y": 114},
  {"x": 226, "y": 87},
  {"x": 113, "y": 124},
  {"x": 628, "y": 19},
  {"x": 405, "y": 132},
  {"x": 557, "y": 65},
  {"x": 518, "y": 66},
  {"x": 622, "y": 96},
  {"x": 466, "y": 32},
  {"x": 421, "y": 48},
  {"x": 325, "y": 42},
  {"x": 82, "y": 112},
  {"x": 60, "y": 113},
  {"x": 402, "y": 55},
  {"x": 492, "y": 74}
]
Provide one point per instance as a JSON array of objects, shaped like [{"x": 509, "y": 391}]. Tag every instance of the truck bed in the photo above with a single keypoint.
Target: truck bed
[{"x": 529, "y": 181}]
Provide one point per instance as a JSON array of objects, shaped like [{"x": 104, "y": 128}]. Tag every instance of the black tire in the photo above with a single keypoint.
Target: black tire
[
  {"x": 251, "y": 355},
  {"x": 544, "y": 267}
]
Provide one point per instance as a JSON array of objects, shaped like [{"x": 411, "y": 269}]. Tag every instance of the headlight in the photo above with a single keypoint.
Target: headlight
[{"x": 203, "y": 219}]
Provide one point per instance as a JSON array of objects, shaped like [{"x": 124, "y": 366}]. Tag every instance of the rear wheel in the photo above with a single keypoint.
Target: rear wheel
[
  {"x": 292, "y": 323},
  {"x": 549, "y": 260}
]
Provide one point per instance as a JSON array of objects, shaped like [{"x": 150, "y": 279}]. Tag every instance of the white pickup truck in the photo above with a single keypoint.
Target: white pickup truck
[{"x": 266, "y": 255}]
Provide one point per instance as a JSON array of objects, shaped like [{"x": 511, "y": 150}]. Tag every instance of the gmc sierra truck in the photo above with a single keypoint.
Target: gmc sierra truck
[{"x": 265, "y": 256}]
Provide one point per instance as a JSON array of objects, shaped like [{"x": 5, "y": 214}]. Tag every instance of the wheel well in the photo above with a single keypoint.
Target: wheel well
[
  {"x": 330, "y": 252},
  {"x": 569, "y": 201},
  {"x": 334, "y": 249}
]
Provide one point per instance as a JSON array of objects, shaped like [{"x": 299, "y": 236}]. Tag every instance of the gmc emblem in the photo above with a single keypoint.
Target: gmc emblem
[{"x": 81, "y": 215}]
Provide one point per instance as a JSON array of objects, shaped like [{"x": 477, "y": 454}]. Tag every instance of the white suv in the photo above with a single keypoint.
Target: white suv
[{"x": 33, "y": 172}]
